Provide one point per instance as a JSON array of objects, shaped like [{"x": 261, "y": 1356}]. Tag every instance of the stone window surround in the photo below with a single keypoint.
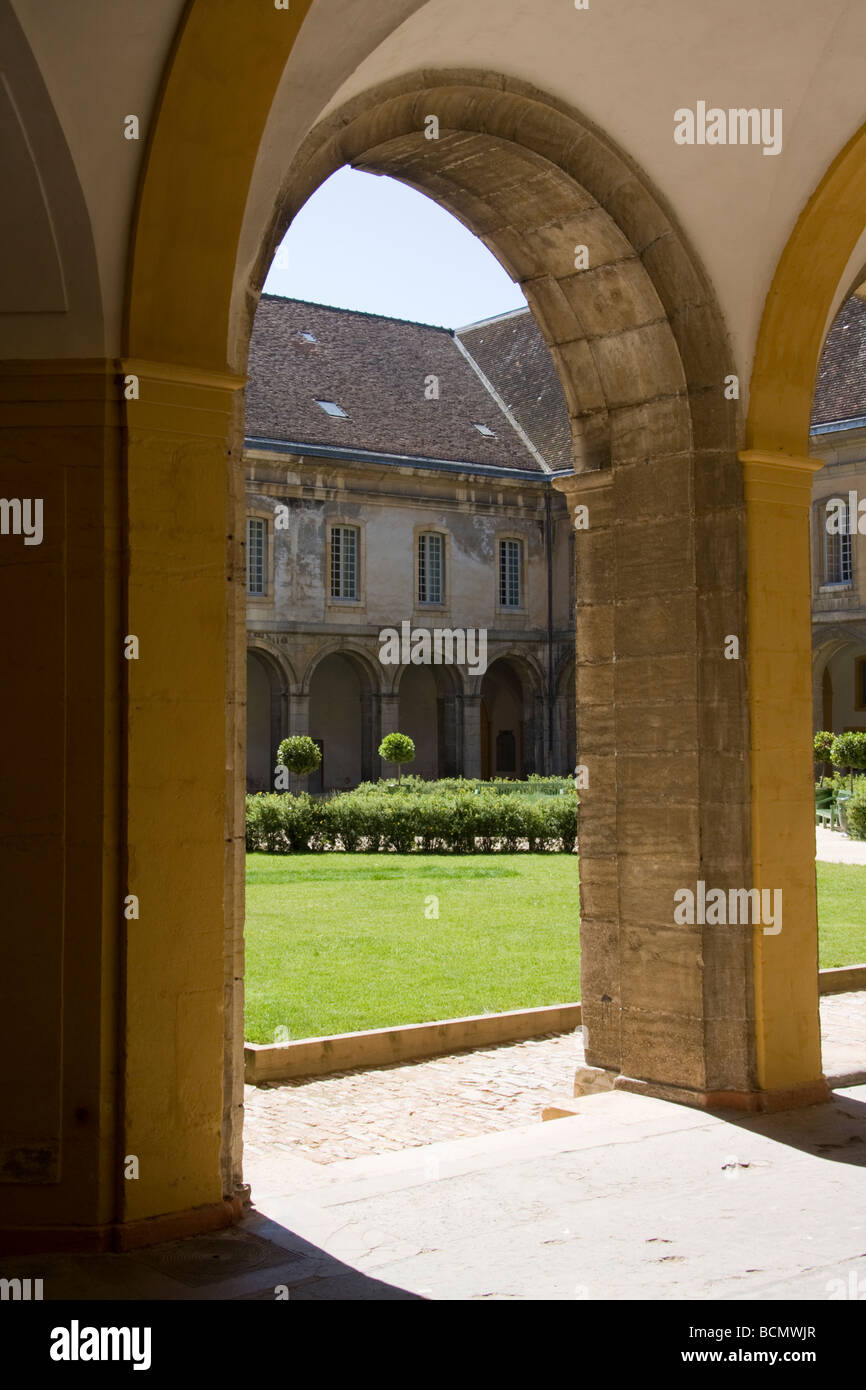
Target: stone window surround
[
  {"x": 507, "y": 610},
  {"x": 254, "y": 513},
  {"x": 423, "y": 528},
  {"x": 358, "y": 604},
  {"x": 819, "y": 584}
]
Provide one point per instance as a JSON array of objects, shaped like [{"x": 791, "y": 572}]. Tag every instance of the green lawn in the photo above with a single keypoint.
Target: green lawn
[
  {"x": 339, "y": 942},
  {"x": 841, "y": 914}
]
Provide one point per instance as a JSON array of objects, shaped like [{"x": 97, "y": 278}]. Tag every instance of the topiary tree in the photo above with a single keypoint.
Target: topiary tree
[
  {"x": 397, "y": 748},
  {"x": 822, "y": 745},
  {"x": 849, "y": 750},
  {"x": 299, "y": 754}
]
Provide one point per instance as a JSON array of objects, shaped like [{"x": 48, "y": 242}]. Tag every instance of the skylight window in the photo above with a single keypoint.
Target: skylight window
[
  {"x": 487, "y": 432},
  {"x": 309, "y": 337},
  {"x": 331, "y": 408}
]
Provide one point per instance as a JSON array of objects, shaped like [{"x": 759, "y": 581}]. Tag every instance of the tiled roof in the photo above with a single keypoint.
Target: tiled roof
[
  {"x": 840, "y": 386},
  {"x": 513, "y": 355},
  {"x": 375, "y": 370}
]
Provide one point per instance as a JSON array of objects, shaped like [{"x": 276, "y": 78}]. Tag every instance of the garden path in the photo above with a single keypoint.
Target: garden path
[{"x": 385, "y": 1109}]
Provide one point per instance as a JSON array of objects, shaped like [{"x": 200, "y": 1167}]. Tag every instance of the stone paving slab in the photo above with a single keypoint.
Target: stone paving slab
[
  {"x": 354, "y": 1113},
  {"x": 633, "y": 1198},
  {"x": 384, "y": 1110}
]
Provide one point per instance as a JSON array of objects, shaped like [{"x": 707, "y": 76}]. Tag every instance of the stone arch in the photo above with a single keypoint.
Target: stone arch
[
  {"x": 811, "y": 278},
  {"x": 267, "y": 710},
  {"x": 442, "y": 741},
  {"x": 830, "y": 642},
  {"x": 276, "y": 659},
  {"x": 565, "y": 715},
  {"x": 353, "y": 732},
  {"x": 527, "y": 665},
  {"x": 533, "y": 179},
  {"x": 361, "y": 659},
  {"x": 643, "y": 355}
]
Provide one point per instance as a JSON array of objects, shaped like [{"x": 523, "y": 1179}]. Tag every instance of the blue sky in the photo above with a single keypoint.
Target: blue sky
[{"x": 366, "y": 242}]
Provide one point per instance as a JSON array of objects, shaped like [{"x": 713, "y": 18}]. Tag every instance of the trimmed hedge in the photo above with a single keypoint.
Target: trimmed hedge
[
  {"x": 855, "y": 811},
  {"x": 533, "y": 785},
  {"x": 381, "y": 818}
]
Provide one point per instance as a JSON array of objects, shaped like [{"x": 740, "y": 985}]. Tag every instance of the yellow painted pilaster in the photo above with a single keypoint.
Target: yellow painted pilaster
[
  {"x": 180, "y": 599},
  {"x": 778, "y": 495}
]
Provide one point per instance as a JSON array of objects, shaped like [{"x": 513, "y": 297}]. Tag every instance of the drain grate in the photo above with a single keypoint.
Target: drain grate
[{"x": 213, "y": 1259}]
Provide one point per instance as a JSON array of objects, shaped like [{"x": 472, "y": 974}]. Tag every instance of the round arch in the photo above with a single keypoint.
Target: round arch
[
  {"x": 276, "y": 660},
  {"x": 642, "y": 354},
  {"x": 813, "y": 272},
  {"x": 526, "y": 665},
  {"x": 369, "y": 673}
]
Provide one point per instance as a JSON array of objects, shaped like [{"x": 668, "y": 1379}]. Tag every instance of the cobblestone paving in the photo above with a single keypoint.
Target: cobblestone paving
[{"x": 350, "y": 1114}]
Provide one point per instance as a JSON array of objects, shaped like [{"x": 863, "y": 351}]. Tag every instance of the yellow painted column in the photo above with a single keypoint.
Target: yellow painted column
[
  {"x": 181, "y": 594},
  {"x": 778, "y": 490}
]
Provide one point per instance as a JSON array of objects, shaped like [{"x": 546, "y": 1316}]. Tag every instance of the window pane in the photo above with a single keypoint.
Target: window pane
[
  {"x": 256, "y": 555},
  {"x": 837, "y": 553},
  {"x": 344, "y": 562},
  {"x": 430, "y": 568},
  {"x": 509, "y": 573}
]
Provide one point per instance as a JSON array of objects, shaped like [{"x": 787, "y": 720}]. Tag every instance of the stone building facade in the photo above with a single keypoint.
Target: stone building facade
[
  {"x": 393, "y": 487},
  {"x": 839, "y": 552}
]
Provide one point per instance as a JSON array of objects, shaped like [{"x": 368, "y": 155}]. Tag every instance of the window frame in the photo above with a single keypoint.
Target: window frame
[
  {"x": 265, "y": 520},
  {"x": 846, "y": 549},
  {"x": 502, "y": 541},
  {"x": 422, "y": 537},
  {"x": 341, "y": 600}
]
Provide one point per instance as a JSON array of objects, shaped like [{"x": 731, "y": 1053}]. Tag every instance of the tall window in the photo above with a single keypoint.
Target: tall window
[
  {"x": 837, "y": 549},
  {"x": 431, "y": 568},
  {"x": 344, "y": 562},
  {"x": 257, "y": 555},
  {"x": 510, "y": 567}
]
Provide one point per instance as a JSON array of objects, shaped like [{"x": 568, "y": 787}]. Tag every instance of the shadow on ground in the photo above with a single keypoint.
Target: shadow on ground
[{"x": 257, "y": 1260}]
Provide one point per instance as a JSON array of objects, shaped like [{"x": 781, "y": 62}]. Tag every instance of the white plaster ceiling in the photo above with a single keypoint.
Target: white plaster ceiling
[
  {"x": 625, "y": 64},
  {"x": 628, "y": 66}
]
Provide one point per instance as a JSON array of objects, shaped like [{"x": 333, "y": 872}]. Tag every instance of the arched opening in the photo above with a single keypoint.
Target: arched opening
[
  {"x": 839, "y": 680},
  {"x": 662, "y": 724},
  {"x": 565, "y": 719},
  {"x": 638, "y": 345},
  {"x": 267, "y": 710},
  {"x": 428, "y": 711},
  {"x": 335, "y": 723},
  {"x": 341, "y": 721},
  {"x": 506, "y": 728},
  {"x": 643, "y": 357}
]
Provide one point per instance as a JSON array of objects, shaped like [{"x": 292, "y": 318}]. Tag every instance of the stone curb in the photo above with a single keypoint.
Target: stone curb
[
  {"x": 842, "y": 979},
  {"x": 379, "y": 1047}
]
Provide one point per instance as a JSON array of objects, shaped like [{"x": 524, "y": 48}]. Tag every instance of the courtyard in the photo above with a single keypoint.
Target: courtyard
[{"x": 336, "y": 943}]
